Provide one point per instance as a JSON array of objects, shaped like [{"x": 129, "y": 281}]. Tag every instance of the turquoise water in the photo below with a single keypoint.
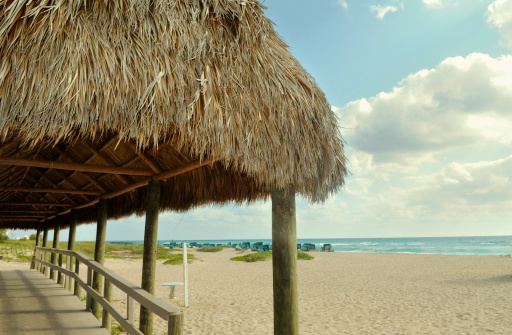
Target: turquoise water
[{"x": 474, "y": 245}]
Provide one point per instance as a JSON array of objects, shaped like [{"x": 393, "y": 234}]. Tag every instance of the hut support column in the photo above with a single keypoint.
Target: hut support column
[
  {"x": 149, "y": 257},
  {"x": 284, "y": 262},
  {"x": 71, "y": 244},
  {"x": 45, "y": 244},
  {"x": 56, "y": 231},
  {"x": 99, "y": 253},
  {"x": 38, "y": 236}
]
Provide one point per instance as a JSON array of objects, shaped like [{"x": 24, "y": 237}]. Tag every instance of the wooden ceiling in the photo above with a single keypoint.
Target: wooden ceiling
[{"x": 39, "y": 183}]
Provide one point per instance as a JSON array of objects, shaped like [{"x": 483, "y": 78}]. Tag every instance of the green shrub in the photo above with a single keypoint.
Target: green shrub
[
  {"x": 177, "y": 259},
  {"x": 304, "y": 256},
  {"x": 210, "y": 249},
  {"x": 116, "y": 328},
  {"x": 256, "y": 257}
]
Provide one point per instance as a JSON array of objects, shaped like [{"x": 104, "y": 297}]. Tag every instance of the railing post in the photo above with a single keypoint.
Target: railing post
[
  {"x": 60, "y": 277},
  {"x": 88, "y": 303},
  {"x": 175, "y": 324},
  {"x": 56, "y": 231},
  {"x": 107, "y": 294},
  {"x": 67, "y": 283},
  {"x": 129, "y": 309},
  {"x": 77, "y": 271}
]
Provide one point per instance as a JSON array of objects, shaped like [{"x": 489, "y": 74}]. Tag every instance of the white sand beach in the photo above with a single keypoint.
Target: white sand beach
[{"x": 340, "y": 293}]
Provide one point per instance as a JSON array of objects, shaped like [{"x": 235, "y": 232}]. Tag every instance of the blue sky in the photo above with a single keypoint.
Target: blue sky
[{"x": 423, "y": 90}]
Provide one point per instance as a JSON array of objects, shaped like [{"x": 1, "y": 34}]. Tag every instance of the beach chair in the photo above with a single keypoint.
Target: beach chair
[
  {"x": 246, "y": 245},
  {"x": 327, "y": 248}
]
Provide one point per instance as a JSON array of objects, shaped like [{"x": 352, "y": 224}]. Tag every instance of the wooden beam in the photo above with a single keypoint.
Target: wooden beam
[
  {"x": 47, "y": 190},
  {"x": 284, "y": 262},
  {"x": 75, "y": 166},
  {"x": 42, "y": 204},
  {"x": 19, "y": 219},
  {"x": 41, "y": 211},
  {"x": 71, "y": 243},
  {"x": 99, "y": 253},
  {"x": 149, "y": 255}
]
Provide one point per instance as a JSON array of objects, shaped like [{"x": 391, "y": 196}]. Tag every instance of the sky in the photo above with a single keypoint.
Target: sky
[{"x": 423, "y": 93}]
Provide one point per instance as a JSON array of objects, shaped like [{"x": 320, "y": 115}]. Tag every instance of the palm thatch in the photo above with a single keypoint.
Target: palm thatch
[{"x": 210, "y": 79}]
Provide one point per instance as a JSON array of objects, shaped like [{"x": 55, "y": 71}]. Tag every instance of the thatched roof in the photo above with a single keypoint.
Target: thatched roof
[{"x": 156, "y": 85}]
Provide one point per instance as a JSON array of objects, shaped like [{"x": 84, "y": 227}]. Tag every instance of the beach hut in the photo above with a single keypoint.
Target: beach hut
[{"x": 121, "y": 107}]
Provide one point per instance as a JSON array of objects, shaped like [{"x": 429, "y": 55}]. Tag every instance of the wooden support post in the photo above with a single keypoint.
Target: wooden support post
[
  {"x": 284, "y": 262},
  {"x": 185, "y": 273},
  {"x": 45, "y": 244},
  {"x": 56, "y": 231},
  {"x": 175, "y": 324},
  {"x": 99, "y": 252},
  {"x": 38, "y": 236},
  {"x": 149, "y": 257},
  {"x": 71, "y": 243},
  {"x": 107, "y": 294}
]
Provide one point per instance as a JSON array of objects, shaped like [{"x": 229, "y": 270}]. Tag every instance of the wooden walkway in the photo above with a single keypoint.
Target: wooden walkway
[{"x": 30, "y": 303}]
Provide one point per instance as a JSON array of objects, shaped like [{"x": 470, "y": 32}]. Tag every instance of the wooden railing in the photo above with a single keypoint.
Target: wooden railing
[{"x": 66, "y": 277}]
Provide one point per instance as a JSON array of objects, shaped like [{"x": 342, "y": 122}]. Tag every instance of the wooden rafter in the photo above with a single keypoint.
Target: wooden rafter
[
  {"x": 145, "y": 158},
  {"x": 91, "y": 180},
  {"x": 20, "y": 219},
  {"x": 47, "y": 190},
  {"x": 162, "y": 176},
  {"x": 75, "y": 166},
  {"x": 104, "y": 160},
  {"x": 42, "y": 176},
  {"x": 42, "y": 211},
  {"x": 42, "y": 204}
]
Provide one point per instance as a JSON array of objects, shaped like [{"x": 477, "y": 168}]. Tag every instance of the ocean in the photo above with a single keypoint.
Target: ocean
[{"x": 465, "y": 245}]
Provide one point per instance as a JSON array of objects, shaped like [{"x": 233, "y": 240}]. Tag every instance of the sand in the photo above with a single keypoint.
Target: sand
[{"x": 340, "y": 293}]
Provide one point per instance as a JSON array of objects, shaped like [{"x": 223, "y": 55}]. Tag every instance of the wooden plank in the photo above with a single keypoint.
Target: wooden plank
[
  {"x": 47, "y": 190},
  {"x": 130, "y": 328},
  {"x": 157, "y": 306},
  {"x": 75, "y": 166},
  {"x": 284, "y": 262}
]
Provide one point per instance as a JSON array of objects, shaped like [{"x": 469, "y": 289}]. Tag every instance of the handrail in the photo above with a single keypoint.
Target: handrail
[{"x": 170, "y": 314}]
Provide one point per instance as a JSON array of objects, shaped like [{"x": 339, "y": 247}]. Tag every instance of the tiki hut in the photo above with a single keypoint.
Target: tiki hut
[{"x": 98, "y": 99}]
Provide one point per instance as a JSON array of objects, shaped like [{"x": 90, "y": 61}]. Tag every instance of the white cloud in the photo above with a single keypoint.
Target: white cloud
[
  {"x": 462, "y": 101},
  {"x": 459, "y": 189},
  {"x": 434, "y": 4},
  {"x": 381, "y": 11},
  {"x": 343, "y": 4},
  {"x": 499, "y": 15}
]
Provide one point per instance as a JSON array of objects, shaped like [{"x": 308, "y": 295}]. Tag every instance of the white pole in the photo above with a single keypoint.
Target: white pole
[{"x": 185, "y": 275}]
